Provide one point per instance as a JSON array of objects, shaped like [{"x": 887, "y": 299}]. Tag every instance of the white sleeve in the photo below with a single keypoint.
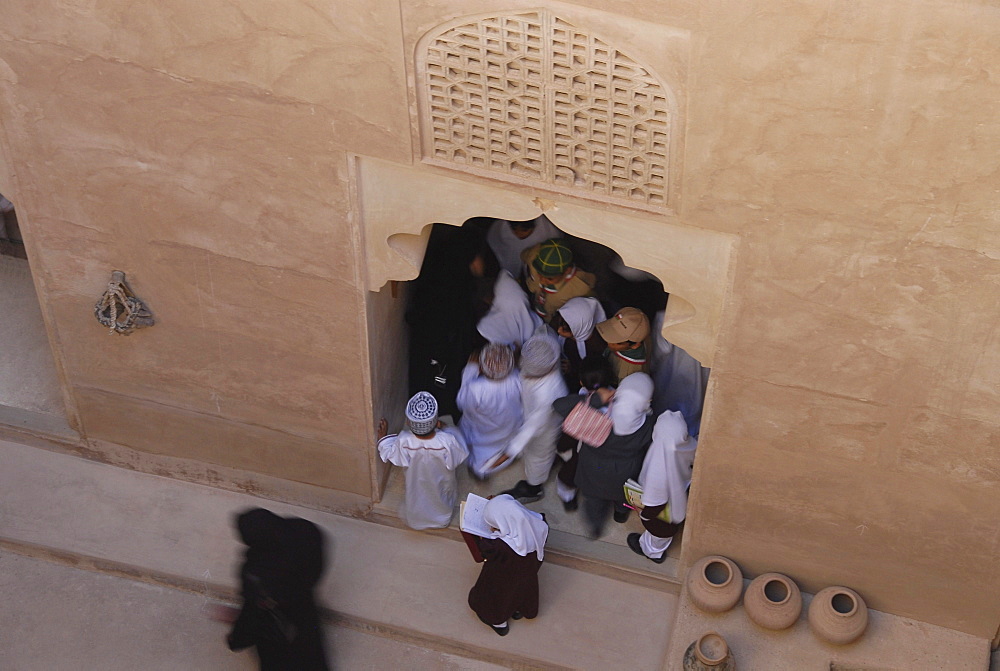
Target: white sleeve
[
  {"x": 388, "y": 449},
  {"x": 536, "y": 417},
  {"x": 460, "y": 450},
  {"x": 464, "y": 399}
]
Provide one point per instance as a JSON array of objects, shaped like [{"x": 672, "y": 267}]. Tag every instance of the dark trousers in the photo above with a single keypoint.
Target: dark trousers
[
  {"x": 596, "y": 512},
  {"x": 567, "y": 472}
]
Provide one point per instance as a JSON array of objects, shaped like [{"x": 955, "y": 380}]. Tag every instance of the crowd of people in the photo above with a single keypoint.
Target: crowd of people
[
  {"x": 509, "y": 333},
  {"x": 509, "y": 337}
]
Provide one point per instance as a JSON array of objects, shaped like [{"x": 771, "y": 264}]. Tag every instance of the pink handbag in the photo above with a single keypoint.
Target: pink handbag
[{"x": 587, "y": 424}]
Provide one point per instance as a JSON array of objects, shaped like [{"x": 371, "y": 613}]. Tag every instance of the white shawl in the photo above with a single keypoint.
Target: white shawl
[
  {"x": 581, "y": 314},
  {"x": 510, "y": 320},
  {"x": 666, "y": 470},
  {"x": 631, "y": 404},
  {"x": 523, "y": 530}
]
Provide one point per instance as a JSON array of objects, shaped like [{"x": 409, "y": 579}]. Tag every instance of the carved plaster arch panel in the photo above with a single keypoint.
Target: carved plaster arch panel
[
  {"x": 532, "y": 98},
  {"x": 396, "y": 205}
]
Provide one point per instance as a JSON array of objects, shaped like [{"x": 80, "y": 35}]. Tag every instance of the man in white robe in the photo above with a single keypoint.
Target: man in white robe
[
  {"x": 490, "y": 401},
  {"x": 535, "y": 441},
  {"x": 508, "y": 239},
  {"x": 665, "y": 477},
  {"x": 430, "y": 453}
]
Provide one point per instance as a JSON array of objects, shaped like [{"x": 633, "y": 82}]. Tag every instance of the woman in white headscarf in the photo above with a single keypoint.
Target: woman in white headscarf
[
  {"x": 665, "y": 476},
  {"x": 507, "y": 587},
  {"x": 575, "y": 321},
  {"x": 490, "y": 401},
  {"x": 510, "y": 320},
  {"x": 603, "y": 470}
]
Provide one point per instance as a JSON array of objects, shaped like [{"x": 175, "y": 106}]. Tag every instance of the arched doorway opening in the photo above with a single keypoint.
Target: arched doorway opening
[
  {"x": 395, "y": 206},
  {"x": 452, "y": 294}
]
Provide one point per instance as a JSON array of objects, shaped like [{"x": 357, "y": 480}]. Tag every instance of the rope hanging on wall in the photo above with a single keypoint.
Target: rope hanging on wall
[{"x": 119, "y": 309}]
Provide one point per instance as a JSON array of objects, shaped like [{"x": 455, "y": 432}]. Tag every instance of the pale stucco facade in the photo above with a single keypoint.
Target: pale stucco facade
[{"x": 826, "y": 219}]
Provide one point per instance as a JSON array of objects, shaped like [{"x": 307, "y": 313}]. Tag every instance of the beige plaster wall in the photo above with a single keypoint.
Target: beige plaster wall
[
  {"x": 853, "y": 147},
  {"x": 850, "y": 148},
  {"x": 201, "y": 148}
]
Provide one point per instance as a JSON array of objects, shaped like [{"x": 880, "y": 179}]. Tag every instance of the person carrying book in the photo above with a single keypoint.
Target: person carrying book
[
  {"x": 507, "y": 587},
  {"x": 665, "y": 477}
]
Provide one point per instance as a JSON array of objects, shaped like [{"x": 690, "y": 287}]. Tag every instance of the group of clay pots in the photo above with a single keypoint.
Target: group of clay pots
[{"x": 773, "y": 601}]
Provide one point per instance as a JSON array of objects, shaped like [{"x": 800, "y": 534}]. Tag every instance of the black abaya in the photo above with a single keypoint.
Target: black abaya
[
  {"x": 444, "y": 307},
  {"x": 284, "y": 561}
]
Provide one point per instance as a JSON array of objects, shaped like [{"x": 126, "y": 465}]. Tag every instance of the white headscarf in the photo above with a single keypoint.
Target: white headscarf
[
  {"x": 666, "y": 470},
  {"x": 581, "y": 314},
  {"x": 523, "y": 530},
  {"x": 631, "y": 404},
  {"x": 510, "y": 320}
]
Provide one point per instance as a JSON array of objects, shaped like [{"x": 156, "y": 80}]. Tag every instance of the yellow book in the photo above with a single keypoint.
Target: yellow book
[{"x": 633, "y": 499}]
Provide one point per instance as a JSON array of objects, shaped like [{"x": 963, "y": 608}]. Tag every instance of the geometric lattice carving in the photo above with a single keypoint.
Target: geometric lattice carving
[{"x": 532, "y": 97}]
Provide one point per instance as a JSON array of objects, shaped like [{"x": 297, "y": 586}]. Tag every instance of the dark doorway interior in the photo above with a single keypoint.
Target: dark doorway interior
[{"x": 11, "y": 242}]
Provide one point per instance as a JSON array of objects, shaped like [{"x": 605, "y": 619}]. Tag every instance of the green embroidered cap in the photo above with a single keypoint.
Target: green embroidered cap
[{"x": 553, "y": 258}]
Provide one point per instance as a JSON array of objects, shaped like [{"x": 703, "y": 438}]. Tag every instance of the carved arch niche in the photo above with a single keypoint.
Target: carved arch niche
[{"x": 398, "y": 204}]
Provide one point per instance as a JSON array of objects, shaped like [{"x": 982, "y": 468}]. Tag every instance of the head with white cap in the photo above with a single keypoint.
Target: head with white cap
[{"x": 422, "y": 413}]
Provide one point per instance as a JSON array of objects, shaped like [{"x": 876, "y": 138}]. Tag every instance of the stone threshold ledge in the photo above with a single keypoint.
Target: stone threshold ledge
[
  {"x": 569, "y": 550},
  {"x": 228, "y": 595},
  {"x": 409, "y": 583}
]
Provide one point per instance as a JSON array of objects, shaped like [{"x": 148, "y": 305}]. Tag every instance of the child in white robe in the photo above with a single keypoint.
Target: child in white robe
[
  {"x": 490, "y": 401},
  {"x": 535, "y": 441},
  {"x": 430, "y": 452}
]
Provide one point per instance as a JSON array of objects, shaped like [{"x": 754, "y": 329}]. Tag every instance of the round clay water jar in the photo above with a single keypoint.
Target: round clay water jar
[
  {"x": 709, "y": 653},
  {"x": 838, "y": 615},
  {"x": 714, "y": 584},
  {"x": 773, "y": 601}
]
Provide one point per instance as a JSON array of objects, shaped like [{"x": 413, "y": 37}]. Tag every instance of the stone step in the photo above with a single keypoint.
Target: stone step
[
  {"x": 407, "y": 584},
  {"x": 68, "y": 619}
]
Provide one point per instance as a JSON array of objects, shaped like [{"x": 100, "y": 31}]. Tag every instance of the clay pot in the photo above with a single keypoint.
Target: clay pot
[
  {"x": 714, "y": 584},
  {"x": 709, "y": 653},
  {"x": 838, "y": 615},
  {"x": 773, "y": 601}
]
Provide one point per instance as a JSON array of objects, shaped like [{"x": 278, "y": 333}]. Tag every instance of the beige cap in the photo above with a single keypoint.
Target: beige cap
[{"x": 627, "y": 324}]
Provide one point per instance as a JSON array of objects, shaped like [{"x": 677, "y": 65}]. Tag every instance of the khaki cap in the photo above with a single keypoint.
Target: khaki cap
[{"x": 626, "y": 324}]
